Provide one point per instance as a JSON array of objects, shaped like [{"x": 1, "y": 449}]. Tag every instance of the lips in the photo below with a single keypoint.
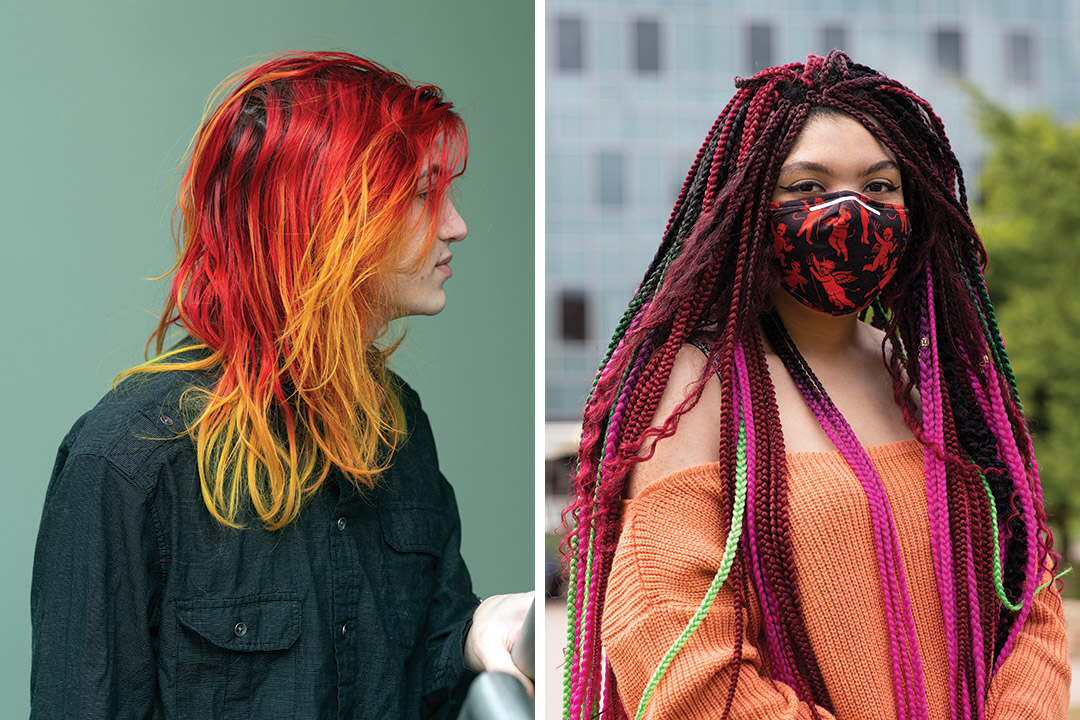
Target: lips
[{"x": 444, "y": 265}]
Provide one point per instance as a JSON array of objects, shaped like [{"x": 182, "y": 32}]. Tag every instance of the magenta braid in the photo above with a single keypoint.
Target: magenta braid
[
  {"x": 983, "y": 404},
  {"x": 1010, "y": 454},
  {"x": 977, "y": 641},
  {"x": 888, "y": 550},
  {"x": 936, "y": 489},
  {"x": 991, "y": 404},
  {"x": 774, "y": 466},
  {"x": 982, "y": 547},
  {"x": 780, "y": 661},
  {"x": 907, "y": 665},
  {"x": 590, "y": 630},
  {"x": 610, "y": 704},
  {"x": 607, "y": 526},
  {"x": 969, "y": 593}
]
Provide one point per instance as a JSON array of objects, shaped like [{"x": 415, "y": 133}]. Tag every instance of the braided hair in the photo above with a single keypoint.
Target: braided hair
[{"x": 715, "y": 268}]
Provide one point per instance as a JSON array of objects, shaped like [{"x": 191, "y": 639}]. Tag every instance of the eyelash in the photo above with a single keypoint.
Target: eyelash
[
  {"x": 809, "y": 186},
  {"x": 888, "y": 186},
  {"x": 805, "y": 187}
]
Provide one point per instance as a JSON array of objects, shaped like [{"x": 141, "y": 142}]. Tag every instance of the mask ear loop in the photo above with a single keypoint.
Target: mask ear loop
[{"x": 727, "y": 561}]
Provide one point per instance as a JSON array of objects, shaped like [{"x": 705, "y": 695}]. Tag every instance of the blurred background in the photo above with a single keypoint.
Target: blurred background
[
  {"x": 632, "y": 88},
  {"x": 100, "y": 102}
]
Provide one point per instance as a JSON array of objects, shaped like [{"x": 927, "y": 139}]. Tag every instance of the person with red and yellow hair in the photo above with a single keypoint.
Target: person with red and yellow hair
[{"x": 253, "y": 523}]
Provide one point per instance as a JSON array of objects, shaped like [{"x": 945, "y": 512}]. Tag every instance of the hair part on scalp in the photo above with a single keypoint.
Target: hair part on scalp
[
  {"x": 715, "y": 269},
  {"x": 290, "y": 230}
]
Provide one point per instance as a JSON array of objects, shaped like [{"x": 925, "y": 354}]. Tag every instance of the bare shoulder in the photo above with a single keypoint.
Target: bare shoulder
[{"x": 697, "y": 438}]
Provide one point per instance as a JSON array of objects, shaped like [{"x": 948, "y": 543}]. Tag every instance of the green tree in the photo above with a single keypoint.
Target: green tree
[{"x": 1028, "y": 215}]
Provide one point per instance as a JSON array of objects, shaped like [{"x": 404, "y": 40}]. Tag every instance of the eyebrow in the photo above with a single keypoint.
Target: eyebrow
[
  {"x": 810, "y": 166},
  {"x": 430, "y": 170}
]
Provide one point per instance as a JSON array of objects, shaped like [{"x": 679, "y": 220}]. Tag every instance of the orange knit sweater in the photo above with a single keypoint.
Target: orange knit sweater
[{"x": 671, "y": 544}]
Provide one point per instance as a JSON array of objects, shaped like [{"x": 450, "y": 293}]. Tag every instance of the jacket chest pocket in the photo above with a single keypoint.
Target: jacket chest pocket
[
  {"x": 234, "y": 658},
  {"x": 414, "y": 538}
]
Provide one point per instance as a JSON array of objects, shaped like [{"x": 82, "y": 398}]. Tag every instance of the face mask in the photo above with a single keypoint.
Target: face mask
[{"x": 837, "y": 251}]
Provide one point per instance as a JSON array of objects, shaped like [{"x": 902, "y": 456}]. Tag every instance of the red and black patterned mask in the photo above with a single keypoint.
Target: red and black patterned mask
[{"x": 837, "y": 251}]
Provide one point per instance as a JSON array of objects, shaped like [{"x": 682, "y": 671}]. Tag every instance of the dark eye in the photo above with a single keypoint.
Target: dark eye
[
  {"x": 806, "y": 186},
  {"x": 881, "y": 186}
]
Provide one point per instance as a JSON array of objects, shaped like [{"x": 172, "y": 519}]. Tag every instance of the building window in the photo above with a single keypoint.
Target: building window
[
  {"x": 647, "y": 46},
  {"x": 573, "y": 315},
  {"x": 760, "y": 46},
  {"x": 949, "y": 51},
  {"x": 570, "y": 46},
  {"x": 1019, "y": 59},
  {"x": 833, "y": 37},
  {"x": 611, "y": 190}
]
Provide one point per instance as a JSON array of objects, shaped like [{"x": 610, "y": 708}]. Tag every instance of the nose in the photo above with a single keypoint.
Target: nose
[{"x": 452, "y": 228}]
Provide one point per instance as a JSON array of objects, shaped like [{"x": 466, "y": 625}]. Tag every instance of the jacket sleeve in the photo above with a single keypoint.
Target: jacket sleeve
[
  {"x": 93, "y": 579},
  {"x": 661, "y": 571},
  {"x": 1033, "y": 682},
  {"x": 449, "y": 618},
  {"x": 449, "y": 614}
]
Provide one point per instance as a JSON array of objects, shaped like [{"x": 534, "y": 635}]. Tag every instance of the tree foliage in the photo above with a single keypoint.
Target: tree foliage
[{"x": 1029, "y": 218}]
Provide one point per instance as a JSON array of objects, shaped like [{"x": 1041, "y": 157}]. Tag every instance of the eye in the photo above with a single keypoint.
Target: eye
[
  {"x": 424, "y": 193},
  {"x": 881, "y": 186},
  {"x": 425, "y": 186},
  {"x": 804, "y": 186}
]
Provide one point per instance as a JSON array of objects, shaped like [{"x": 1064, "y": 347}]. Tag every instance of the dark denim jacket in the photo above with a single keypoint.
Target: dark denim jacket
[{"x": 144, "y": 606}]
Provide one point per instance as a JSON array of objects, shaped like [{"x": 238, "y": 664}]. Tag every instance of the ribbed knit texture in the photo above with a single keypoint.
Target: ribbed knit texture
[{"x": 671, "y": 544}]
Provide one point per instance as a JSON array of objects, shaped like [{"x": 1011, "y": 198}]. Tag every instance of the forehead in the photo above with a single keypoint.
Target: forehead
[{"x": 836, "y": 139}]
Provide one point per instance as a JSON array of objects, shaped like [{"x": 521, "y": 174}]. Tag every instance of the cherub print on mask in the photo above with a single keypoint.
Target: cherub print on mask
[{"x": 837, "y": 251}]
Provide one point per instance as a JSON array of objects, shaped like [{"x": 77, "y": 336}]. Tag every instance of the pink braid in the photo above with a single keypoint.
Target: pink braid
[
  {"x": 976, "y": 639},
  {"x": 936, "y": 491},
  {"x": 741, "y": 382},
  {"x": 907, "y": 665},
  {"x": 1003, "y": 429}
]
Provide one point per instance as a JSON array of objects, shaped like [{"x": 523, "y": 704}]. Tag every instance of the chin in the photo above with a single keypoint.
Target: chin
[
  {"x": 432, "y": 310},
  {"x": 432, "y": 306}
]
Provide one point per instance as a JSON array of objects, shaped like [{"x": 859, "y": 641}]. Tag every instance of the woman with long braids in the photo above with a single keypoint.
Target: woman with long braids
[
  {"x": 253, "y": 523},
  {"x": 806, "y": 487}
]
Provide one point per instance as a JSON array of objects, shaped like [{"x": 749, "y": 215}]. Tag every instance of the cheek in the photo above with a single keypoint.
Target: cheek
[{"x": 414, "y": 254}]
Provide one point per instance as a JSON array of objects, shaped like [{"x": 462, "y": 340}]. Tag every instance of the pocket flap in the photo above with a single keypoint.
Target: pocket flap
[
  {"x": 253, "y": 623},
  {"x": 413, "y": 528}
]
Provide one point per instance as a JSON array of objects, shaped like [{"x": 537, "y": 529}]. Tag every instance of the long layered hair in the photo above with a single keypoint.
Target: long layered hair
[
  {"x": 290, "y": 227},
  {"x": 715, "y": 268}
]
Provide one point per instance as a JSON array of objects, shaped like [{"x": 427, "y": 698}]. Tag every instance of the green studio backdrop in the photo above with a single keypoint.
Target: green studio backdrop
[{"x": 100, "y": 101}]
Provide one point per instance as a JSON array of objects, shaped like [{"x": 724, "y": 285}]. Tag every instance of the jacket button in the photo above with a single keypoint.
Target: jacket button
[
  {"x": 344, "y": 629},
  {"x": 341, "y": 523},
  {"x": 240, "y": 629}
]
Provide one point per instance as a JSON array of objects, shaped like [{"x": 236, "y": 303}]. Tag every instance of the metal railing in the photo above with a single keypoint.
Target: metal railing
[{"x": 501, "y": 696}]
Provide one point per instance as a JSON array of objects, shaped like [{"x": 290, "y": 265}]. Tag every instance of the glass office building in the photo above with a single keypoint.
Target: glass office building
[{"x": 634, "y": 85}]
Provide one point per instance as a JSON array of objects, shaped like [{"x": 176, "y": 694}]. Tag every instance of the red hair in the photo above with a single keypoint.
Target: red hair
[{"x": 289, "y": 228}]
